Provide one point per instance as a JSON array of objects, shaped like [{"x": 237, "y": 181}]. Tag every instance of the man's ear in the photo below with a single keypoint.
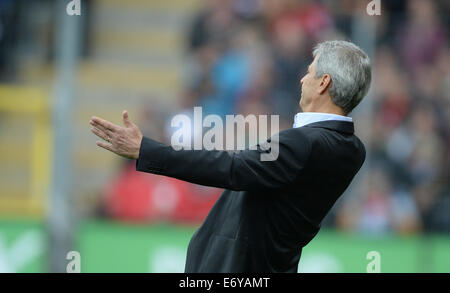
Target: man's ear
[{"x": 325, "y": 82}]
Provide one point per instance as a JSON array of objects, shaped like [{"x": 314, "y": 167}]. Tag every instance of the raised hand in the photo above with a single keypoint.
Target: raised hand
[{"x": 124, "y": 141}]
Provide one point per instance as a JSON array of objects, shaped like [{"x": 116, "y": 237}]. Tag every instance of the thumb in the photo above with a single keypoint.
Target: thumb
[{"x": 126, "y": 119}]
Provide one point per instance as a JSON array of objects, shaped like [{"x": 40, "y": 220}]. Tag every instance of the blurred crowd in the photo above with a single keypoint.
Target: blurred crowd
[
  {"x": 247, "y": 56},
  {"x": 8, "y": 35}
]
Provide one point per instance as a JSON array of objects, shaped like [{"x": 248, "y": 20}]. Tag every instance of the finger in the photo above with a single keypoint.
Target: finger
[
  {"x": 126, "y": 119},
  {"x": 106, "y": 124},
  {"x": 103, "y": 129},
  {"x": 106, "y": 146},
  {"x": 101, "y": 134}
]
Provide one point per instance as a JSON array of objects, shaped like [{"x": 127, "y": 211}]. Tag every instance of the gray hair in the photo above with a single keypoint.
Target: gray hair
[{"x": 349, "y": 68}]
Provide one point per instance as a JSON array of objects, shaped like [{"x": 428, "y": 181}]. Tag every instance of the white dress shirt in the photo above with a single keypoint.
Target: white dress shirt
[{"x": 304, "y": 118}]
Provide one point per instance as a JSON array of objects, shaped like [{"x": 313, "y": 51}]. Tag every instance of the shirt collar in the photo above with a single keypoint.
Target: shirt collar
[{"x": 304, "y": 118}]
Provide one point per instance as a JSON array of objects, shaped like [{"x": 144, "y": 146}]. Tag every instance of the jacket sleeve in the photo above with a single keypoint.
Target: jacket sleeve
[{"x": 288, "y": 154}]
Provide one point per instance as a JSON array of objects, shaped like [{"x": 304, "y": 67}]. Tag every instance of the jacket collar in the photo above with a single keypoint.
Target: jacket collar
[
  {"x": 324, "y": 120},
  {"x": 336, "y": 125},
  {"x": 304, "y": 118}
]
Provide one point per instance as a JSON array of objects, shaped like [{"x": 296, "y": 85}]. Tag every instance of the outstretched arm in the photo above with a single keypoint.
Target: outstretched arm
[{"x": 242, "y": 170}]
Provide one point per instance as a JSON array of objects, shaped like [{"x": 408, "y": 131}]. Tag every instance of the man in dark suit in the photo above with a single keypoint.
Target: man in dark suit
[{"x": 270, "y": 209}]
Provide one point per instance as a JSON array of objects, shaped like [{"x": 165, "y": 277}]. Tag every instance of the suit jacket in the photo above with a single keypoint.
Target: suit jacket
[{"x": 269, "y": 209}]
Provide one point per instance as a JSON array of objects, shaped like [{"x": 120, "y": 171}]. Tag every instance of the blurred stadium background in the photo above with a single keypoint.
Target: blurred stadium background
[{"x": 157, "y": 58}]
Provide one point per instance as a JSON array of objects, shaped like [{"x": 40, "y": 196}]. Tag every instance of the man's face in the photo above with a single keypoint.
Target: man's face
[{"x": 309, "y": 85}]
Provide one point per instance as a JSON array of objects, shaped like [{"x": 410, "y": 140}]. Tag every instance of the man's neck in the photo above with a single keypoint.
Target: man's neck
[{"x": 331, "y": 109}]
